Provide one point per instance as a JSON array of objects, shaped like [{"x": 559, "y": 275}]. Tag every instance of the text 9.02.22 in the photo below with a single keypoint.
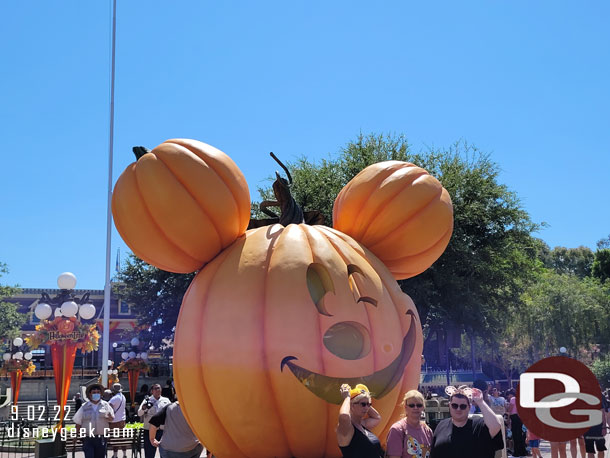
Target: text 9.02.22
[{"x": 38, "y": 413}]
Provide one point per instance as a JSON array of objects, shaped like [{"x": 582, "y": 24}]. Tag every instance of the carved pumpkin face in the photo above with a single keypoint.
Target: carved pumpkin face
[
  {"x": 65, "y": 327},
  {"x": 274, "y": 325}
]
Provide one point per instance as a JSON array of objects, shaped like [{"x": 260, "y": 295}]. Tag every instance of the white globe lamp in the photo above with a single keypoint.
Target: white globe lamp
[
  {"x": 43, "y": 311},
  {"x": 86, "y": 311},
  {"x": 17, "y": 341},
  {"x": 66, "y": 280},
  {"x": 69, "y": 308}
]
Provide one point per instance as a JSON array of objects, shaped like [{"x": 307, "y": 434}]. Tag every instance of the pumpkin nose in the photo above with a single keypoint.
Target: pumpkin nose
[{"x": 348, "y": 340}]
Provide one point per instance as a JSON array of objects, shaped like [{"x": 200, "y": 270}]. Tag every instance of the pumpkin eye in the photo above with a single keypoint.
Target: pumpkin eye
[
  {"x": 319, "y": 282},
  {"x": 356, "y": 280},
  {"x": 348, "y": 340}
]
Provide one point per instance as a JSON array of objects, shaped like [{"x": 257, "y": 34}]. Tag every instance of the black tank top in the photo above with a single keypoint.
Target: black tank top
[{"x": 362, "y": 445}]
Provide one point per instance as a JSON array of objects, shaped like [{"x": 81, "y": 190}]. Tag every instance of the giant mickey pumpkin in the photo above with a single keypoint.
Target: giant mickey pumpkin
[{"x": 277, "y": 321}]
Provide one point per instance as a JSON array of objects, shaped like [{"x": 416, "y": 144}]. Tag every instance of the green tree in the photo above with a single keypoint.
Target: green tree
[
  {"x": 601, "y": 369},
  {"x": 10, "y": 319},
  {"x": 601, "y": 264},
  {"x": 155, "y": 296},
  {"x": 603, "y": 243},
  {"x": 561, "y": 310},
  {"x": 576, "y": 261}
]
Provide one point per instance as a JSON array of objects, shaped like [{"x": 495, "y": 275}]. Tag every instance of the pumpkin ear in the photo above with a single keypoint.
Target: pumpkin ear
[
  {"x": 399, "y": 212},
  {"x": 180, "y": 204}
]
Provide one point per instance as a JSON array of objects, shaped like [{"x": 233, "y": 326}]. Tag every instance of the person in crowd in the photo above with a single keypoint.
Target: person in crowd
[
  {"x": 410, "y": 437},
  {"x": 497, "y": 402},
  {"x": 117, "y": 402},
  {"x": 579, "y": 442},
  {"x": 534, "y": 443},
  {"x": 78, "y": 401},
  {"x": 107, "y": 395},
  {"x": 460, "y": 436},
  {"x": 140, "y": 395},
  {"x": 178, "y": 440},
  {"x": 558, "y": 449},
  {"x": 594, "y": 437},
  {"x": 94, "y": 416},
  {"x": 516, "y": 427},
  {"x": 149, "y": 407},
  {"x": 356, "y": 419},
  {"x": 168, "y": 390}
]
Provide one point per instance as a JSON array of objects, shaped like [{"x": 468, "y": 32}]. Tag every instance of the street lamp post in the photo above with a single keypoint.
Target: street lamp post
[{"x": 66, "y": 312}]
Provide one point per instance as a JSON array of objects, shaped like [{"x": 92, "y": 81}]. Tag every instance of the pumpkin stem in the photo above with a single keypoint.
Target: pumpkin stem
[
  {"x": 282, "y": 166},
  {"x": 140, "y": 151},
  {"x": 291, "y": 213}
]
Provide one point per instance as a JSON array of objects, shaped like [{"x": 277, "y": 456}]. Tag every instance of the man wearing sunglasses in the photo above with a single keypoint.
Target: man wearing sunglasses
[{"x": 461, "y": 437}]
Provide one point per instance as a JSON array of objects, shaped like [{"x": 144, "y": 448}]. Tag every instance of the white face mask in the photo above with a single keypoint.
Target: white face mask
[{"x": 96, "y": 396}]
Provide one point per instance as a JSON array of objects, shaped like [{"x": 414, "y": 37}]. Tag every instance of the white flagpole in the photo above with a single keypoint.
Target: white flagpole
[{"x": 106, "y": 331}]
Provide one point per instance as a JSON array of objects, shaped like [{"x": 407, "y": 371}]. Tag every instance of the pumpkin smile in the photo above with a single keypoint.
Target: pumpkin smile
[{"x": 379, "y": 383}]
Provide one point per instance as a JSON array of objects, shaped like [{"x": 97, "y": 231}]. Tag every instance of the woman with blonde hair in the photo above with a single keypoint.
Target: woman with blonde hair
[
  {"x": 356, "y": 418},
  {"x": 410, "y": 437}
]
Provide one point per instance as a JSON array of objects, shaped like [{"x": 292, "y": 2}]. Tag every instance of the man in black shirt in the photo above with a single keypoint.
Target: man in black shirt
[{"x": 461, "y": 437}]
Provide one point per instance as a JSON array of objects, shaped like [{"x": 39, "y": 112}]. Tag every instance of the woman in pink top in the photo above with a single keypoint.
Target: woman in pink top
[{"x": 410, "y": 437}]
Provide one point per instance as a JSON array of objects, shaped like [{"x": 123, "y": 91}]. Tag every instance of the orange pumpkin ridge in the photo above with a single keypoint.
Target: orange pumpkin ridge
[
  {"x": 229, "y": 178},
  {"x": 133, "y": 245},
  {"x": 404, "y": 224},
  {"x": 194, "y": 357},
  {"x": 205, "y": 211}
]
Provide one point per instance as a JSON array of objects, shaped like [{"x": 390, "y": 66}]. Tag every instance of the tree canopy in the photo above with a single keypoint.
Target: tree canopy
[
  {"x": 10, "y": 319},
  {"x": 155, "y": 296}
]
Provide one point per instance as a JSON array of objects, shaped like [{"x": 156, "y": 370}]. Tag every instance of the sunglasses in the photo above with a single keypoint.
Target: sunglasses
[
  {"x": 363, "y": 404},
  {"x": 459, "y": 406},
  {"x": 419, "y": 406}
]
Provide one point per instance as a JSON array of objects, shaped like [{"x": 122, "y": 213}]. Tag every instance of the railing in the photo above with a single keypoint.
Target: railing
[{"x": 16, "y": 440}]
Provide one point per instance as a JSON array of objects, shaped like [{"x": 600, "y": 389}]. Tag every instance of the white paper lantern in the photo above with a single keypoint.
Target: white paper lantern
[
  {"x": 135, "y": 342},
  {"x": 115, "y": 371},
  {"x": 144, "y": 355},
  {"x": 19, "y": 355},
  {"x": 124, "y": 355},
  {"x": 132, "y": 354},
  {"x": 86, "y": 311},
  {"x": 563, "y": 350},
  {"x": 69, "y": 308},
  {"x": 43, "y": 311},
  {"x": 57, "y": 312},
  {"x": 6, "y": 356},
  {"x": 66, "y": 280},
  {"x": 17, "y": 341},
  {"x": 28, "y": 356},
  {"x": 110, "y": 362}
]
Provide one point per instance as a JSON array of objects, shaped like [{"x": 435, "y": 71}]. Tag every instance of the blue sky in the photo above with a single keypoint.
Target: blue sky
[{"x": 526, "y": 81}]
